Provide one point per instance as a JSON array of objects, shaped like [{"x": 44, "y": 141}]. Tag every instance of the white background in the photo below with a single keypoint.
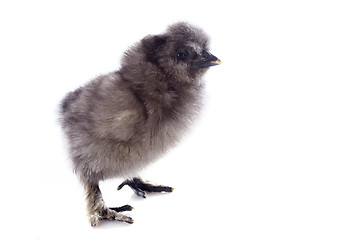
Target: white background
[{"x": 263, "y": 162}]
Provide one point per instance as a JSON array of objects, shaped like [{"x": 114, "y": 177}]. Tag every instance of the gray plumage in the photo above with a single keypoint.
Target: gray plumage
[{"x": 120, "y": 122}]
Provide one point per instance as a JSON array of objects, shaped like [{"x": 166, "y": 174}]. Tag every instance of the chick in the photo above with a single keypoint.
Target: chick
[{"x": 120, "y": 122}]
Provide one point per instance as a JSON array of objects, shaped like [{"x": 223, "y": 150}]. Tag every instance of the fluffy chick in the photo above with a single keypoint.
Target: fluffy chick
[{"x": 120, "y": 122}]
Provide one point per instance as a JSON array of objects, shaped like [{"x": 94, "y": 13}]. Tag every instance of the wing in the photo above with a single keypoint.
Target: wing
[
  {"x": 103, "y": 108},
  {"x": 122, "y": 124},
  {"x": 117, "y": 113}
]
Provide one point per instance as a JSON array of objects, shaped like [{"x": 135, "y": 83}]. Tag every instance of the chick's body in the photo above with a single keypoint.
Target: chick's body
[
  {"x": 113, "y": 132},
  {"x": 119, "y": 122}
]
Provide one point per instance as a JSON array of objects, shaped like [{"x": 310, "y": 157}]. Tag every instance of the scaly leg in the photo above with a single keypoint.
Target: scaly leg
[
  {"x": 140, "y": 187},
  {"x": 97, "y": 210}
]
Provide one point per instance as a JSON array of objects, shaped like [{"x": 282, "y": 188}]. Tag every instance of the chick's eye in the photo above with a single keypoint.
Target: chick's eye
[{"x": 182, "y": 55}]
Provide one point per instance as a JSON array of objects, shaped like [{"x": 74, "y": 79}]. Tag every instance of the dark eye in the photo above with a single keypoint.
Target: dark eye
[{"x": 182, "y": 55}]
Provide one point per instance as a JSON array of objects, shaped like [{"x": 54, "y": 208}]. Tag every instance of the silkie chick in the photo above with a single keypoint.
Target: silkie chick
[{"x": 120, "y": 122}]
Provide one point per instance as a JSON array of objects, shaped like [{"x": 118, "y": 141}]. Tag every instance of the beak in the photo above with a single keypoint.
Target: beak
[{"x": 208, "y": 60}]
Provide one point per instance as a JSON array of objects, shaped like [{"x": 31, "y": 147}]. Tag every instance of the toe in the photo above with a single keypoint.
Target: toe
[
  {"x": 140, "y": 192},
  {"x": 94, "y": 219},
  {"x": 122, "y": 209},
  {"x": 123, "y": 218}
]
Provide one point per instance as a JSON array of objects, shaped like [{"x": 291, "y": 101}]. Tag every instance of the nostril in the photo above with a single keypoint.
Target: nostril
[{"x": 205, "y": 54}]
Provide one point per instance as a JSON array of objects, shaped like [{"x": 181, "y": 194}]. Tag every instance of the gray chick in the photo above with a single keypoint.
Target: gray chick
[{"x": 120, "y": 122}]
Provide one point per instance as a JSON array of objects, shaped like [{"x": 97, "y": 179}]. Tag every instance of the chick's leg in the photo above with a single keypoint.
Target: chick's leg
[
  {"x": 97, "y": 210},
  {"x": 140, "y": 187}
]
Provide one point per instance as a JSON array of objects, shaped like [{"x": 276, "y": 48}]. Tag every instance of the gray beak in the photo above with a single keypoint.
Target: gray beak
[{"x": 208, "y": 60}]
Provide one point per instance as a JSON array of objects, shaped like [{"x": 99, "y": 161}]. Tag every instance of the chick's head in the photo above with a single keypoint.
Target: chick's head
[{"x": 182, "y": 52}]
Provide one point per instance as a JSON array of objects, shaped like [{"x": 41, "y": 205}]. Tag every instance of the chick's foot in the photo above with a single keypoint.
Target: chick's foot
[
  {"x": 97, "y": 209},
  {"x": 140, "y": 187},
  {"x": 109, "y": 214}
]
